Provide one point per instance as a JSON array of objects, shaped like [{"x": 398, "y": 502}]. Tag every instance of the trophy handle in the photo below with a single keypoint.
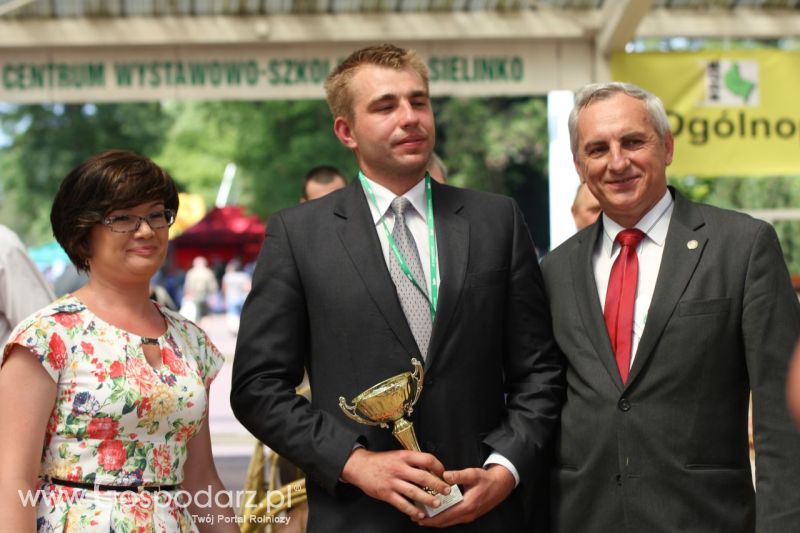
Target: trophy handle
[
  {"x": 350, "y": 411},
  {"x": 417, "y": 376}
]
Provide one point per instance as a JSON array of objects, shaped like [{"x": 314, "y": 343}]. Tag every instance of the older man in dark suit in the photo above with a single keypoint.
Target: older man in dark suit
[
  {"x": 669, "y": 313},
  {"x": 353, "y": 285}
]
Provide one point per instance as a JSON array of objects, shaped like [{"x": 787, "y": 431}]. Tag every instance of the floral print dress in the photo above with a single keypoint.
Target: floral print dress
[{"x": 117, "y": 420}]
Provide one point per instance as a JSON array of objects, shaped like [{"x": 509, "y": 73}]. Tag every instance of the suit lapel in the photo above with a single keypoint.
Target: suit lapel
[
  {"x": 678, "y": 263},
  {"x": 360, "y": 239},
  {"x": 452, "y": 243},
  {"x": 590, "y": 310}
]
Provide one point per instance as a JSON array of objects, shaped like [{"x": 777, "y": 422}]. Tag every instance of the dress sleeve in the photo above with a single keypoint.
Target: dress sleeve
[
  {"x": 209, "y": 359},
  {"x": 45, "y": 339}
]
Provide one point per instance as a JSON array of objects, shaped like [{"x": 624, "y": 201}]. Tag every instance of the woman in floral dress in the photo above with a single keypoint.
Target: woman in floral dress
[{"x": 103, "y": 393}]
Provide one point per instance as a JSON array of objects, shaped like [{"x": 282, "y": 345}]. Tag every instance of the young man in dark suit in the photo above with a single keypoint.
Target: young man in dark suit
[
  {"x": 396, "y": 266},
  {"x": 669, "y": 314}
]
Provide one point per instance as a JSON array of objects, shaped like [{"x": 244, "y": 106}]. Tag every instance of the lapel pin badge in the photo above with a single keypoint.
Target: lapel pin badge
[{"x": 692, "y": 244}]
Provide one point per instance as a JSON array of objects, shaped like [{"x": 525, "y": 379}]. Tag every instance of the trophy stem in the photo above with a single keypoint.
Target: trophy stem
[{"x": 403, "y": 431}]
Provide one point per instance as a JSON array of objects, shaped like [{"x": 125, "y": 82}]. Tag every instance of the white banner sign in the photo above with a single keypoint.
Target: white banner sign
[{"x": 269, "y": 72}]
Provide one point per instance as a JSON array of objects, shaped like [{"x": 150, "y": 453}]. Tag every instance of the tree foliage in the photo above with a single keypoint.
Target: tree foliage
[
  {"x": 753, "y": 193},
  {"x": 273, "y": 145},
  {"x": 495, "y": 144},
  {"x": 196, "y": 149},
  {"x": 499, "y": 145},
  {"x": 484, "y": 140}
]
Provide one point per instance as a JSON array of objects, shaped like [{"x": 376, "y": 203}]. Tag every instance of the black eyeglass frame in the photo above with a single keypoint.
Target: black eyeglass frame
[{"x": 168, "y": 214}]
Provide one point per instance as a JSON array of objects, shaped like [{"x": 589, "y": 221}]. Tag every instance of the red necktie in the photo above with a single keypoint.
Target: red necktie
[{"x": 620, "y": 299}]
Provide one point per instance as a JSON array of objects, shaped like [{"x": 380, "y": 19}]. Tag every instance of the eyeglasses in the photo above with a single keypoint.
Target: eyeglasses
[{"x": 132, "y": 223}]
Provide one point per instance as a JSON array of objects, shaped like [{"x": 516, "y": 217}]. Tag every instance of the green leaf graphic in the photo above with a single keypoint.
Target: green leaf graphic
[{"x": 737, "y": 84}]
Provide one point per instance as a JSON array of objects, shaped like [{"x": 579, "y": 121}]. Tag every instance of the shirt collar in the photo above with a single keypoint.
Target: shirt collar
[
  {"x": 654, "y": 224},
  {"x": 384, "y": 197}
]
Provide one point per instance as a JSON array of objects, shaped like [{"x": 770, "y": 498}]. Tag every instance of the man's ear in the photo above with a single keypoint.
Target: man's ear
[
  {"x": 344, "y": 133},
  {"x": 578, "y": 169},
  {"x": 669, "y": 146}
]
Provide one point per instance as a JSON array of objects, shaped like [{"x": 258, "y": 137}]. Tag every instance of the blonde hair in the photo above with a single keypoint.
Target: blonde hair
[{"x": 337, "y": 86}]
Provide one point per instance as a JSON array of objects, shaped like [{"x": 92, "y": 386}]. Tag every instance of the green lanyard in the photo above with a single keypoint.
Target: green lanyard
[{"x": 434, "y": 292}]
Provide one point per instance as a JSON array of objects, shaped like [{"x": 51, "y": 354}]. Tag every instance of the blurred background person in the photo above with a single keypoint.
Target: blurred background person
[
  {"x": 437, "y": 169},
  {"x": 235, "y": 287},
  {"x": 115, "y": 387},
  {"x": 159, "y": 294},
  {"x": 585, "y": 208},
  {"x": 200, "y": 285},
  {"x": 70, "y": 280},
  {"x": 322, "y": 180},
  {"x": 23, "y": 289}
]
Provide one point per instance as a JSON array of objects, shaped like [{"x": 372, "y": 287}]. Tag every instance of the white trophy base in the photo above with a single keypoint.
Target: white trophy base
[{"x": 447, "y": 501}]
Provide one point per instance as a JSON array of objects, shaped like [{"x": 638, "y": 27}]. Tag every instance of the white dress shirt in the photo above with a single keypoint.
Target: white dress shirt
[
  {"x": 417, "y": 223},
  {"x": 654, "y": 224}
]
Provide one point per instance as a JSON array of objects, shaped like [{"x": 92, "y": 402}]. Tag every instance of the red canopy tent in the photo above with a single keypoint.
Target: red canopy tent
[{"x": 224, "y": 233}]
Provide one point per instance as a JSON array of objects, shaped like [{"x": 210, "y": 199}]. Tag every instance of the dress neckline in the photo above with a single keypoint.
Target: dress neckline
[{"x": 143, "y": 339}]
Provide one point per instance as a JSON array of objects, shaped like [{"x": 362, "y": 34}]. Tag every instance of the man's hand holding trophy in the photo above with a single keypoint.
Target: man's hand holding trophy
[{"x": 392, "y": 400}]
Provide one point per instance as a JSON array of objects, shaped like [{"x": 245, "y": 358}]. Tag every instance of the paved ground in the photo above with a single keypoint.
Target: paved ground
[
  {"x": 232, "y": 470},
  {"x": 232, "y": 443}
]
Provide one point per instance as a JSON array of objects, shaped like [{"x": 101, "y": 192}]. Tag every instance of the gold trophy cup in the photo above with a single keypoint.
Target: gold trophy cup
[{"x": 389, "y": 401}]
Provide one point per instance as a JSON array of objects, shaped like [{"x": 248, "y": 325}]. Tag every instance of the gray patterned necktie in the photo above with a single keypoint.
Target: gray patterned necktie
[{"x": 413, "y": 300}]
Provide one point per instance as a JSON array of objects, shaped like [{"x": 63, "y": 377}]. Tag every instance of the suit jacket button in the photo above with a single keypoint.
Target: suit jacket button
[{"x": 624, "y": 405}]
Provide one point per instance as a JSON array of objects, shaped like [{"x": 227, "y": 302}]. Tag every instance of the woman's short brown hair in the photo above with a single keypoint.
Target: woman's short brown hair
[
  {"x": 337, "y": 86},
  {"x": 115, "y": 179}
]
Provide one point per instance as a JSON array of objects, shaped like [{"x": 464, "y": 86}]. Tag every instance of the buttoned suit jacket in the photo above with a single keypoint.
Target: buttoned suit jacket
[
  {"x": 323, "y": 299},
  {"x": 668, "y": 450}
]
